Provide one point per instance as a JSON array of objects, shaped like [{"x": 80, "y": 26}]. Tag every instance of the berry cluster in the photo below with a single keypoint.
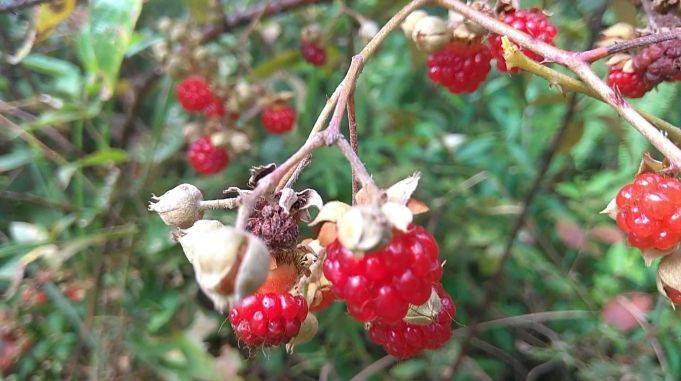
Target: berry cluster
[
  {"x": 651, "y": 66},
  {"x": 313, "y": 52},
  {"x": 405, "y": 340},
  {"x": 460, "y": 67},
  {"x": 531, "y": 21},
  {"x": 205, "y": 157},
  {"x": 381, "y": 284},
  {"x": 278, "y": 118},
  {"x": 649, "y": 212},
  {"x": 268, "y": 319}
]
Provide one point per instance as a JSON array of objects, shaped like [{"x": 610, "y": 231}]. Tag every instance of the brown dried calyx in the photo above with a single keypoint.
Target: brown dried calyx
[{"x": 274, "y": 225}]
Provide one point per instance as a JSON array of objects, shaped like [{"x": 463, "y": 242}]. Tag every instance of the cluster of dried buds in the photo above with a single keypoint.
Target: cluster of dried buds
[
  {"x": 648, "y": 211},
  {"x": 369, "y": 254}
]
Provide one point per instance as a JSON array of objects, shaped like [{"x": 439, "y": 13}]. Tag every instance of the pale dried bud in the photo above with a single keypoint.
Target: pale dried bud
[
  {"x": 363, "y": 228},
  {"x": 160, "y": 51},
  {"x": 239, "y": 142},
  {"x": 192, "y": 132},
  {"x": 368, "y": 30},
  {"x": 616, "y": 33},
  {"x": 180, "y": 206},
  {"x": 431, "y": 34},
  {"x": 425, "y": 313},
  {"x": 226, "y": 260},
  {"x": 164, "y": 24},
  {"x": 270, "y": 32},
  {"x": 177, "y": 32},
  {"x": 311, "y": 33},
  {"x": 410, "y": 22},
  {"x": 669, "y": 277},
  {"x": 332, "y": 211}
]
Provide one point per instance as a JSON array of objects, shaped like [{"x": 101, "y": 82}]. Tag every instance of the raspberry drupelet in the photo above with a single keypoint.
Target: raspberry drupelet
[
  {"x": 313, "y": 53},
  {"x": 460, "y": 67},
  {"x": 531, "y": 21},
  {"x": 649, "y": 212},
  {"x": 205, "y": 157},
  {"x": 268, "y": 319},
  {"x": 194, "y": 93},
  {"x": 278, "y": 118},
  {"x": 405, "y": 340},
  {"x": 381, "y": 284}
]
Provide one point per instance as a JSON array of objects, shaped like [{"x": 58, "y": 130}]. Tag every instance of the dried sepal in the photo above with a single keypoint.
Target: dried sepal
[
  {"x": 650, "y": 164},
  {"x": 363, "y": 228},
  {"x": 179, "y": 207},
  {"x": 425, "y": 313},
  {"x": 398, "y": 215},
  {"x": 669, "y": 278},
  {"x": 258, "y": 172},
  {"x": 308, "y": 329},
  {"x": 226, "y": 260},
  {"x": 300, "y": 201},
  {"x": 618, "y": 60},
  {"x": 417, "y": 206},
  {"x": 331, "y": 211},
  {"x": 401, "y": 191},
  {"x": 619, "y": 32}
]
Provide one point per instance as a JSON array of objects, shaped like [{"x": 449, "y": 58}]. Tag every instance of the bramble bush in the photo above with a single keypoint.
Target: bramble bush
[{"x": 425, "y": 189}]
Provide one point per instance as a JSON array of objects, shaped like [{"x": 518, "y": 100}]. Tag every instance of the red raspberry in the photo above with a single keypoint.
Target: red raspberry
[
  {"x": 193, "y": 93},
  {"x": 313, "y": 53},
  {"x": 531, "y": 21},
  {"x": 649, "y": 211},
  {"x": 278, "y": 118},
  {"x": 460, "y": 67},
  {"x": 268, "y": 319},
  {"x": 631, "y": 85},
  {"x": 406, "y": 340},
  {"x": 205, "y": 157},
  {"x": 381, "y": 284}
]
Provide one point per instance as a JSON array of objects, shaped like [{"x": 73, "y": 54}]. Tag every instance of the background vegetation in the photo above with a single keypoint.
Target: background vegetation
[{"x": 93, "y": 286}]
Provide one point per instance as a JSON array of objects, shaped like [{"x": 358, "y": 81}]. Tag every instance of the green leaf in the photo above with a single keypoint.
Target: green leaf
[
  {"x": 15, "y": 160},
  {"x": 66, "y": 76},
  {"x": 278, "y": 62},
  {"x": 110, "y": 31},
  {"x": 104, "y": 157}
]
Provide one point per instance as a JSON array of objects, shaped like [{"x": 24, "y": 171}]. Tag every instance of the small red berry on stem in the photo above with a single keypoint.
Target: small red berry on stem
[
  {"x": 268, "y": 319},
  {"x": 313, "y": 52},
  {"x": 278, "y": 118},
  {"x": 531, "y": 21},
  {"x": 405, "y": 340},
  {"x": 649, "y": 212},
  {"x": 205, "y": 157},
  {"x": 460, "y": 66},
  {"x": 381, "y": 284},
  {"x": 194, "y": 93},
  {"x": 630, "y": 85}
]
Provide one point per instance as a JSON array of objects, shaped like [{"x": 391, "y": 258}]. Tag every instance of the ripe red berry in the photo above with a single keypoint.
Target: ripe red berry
[
  {"x": 460, "y": 66},
  {"x": 214, "y": 109},
  {"x": 313, "y": 52},
  {"x": 649, "y": 211},
  {"x": 193, "y": 93},
  {"x": 381, "y": 284},
  {"x": 205, "y": 157},
  {"x": 278, "y": 118},
  {"x": 405, "y": 340},
  {"x": 268, "y": 319},
  {"x": 630, "y": 85},
  {"x": 531, "y": 21}
]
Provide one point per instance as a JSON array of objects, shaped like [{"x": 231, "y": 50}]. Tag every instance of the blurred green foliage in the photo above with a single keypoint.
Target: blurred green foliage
[{"x": 73, "y": 204}]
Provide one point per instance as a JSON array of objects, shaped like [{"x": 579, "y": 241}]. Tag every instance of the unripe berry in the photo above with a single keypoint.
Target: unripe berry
[
  {"x": 205, "y": 157},
  {"x": 531, "y": 21},
  {"x": 381, "y": 284},
  {"x": 649, "y": 212},
  {"x": 461, "y": 67},
  {"x": 278, "y": 118},
  {"x": 194, "y": 93}
]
